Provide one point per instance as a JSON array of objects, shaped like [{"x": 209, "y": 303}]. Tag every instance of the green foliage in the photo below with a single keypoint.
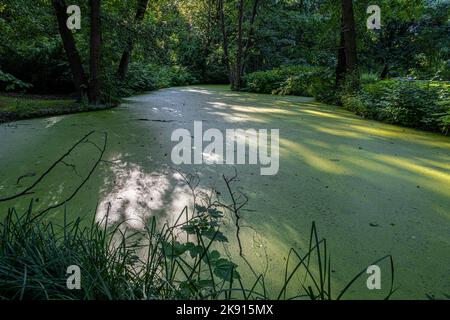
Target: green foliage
[
  {"x": 11, "y": 83},
  {"x": 369, "y": 77},
  {"x": 323, "y": 88},
  {"x": 266, "y": 81},
  {"x": 148, "y": 77},
  {"x": 35, "y": 253},
  {"x": 288, "y": 80},
  {"x": 299, "y": 80},
  {"x": 408, "y": 103},
  {"x": 444, "y": 121}
]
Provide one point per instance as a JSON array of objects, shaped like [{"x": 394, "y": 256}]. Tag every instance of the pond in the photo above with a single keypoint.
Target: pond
[{"x": 372, "y": 189}]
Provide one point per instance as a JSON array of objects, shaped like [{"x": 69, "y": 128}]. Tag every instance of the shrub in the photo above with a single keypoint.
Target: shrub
[
  {"x": 356, "y": 103},
  {"x": 323, "y": 88},
  {"x": 300, "y": 80},
  {"x": 294, "y": 85},
  {"x": 147, "y": 77},
  {"x": 264, "y": 81},
  {"x": 369, "y": 77},
  {"x": 443, "y": 121},
  {"x": 287, "y": 80},
  {"x": 10, "y": 83},
  {"x": 408, "y": 103},
  {"x": 42, "y": 64}
]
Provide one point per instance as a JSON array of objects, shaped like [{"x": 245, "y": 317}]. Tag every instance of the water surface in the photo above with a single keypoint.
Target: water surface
[{"x": 373, "y": 189}]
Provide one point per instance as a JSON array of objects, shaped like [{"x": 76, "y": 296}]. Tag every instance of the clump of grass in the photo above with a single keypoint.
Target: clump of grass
[{"x": 117, "y": 263}]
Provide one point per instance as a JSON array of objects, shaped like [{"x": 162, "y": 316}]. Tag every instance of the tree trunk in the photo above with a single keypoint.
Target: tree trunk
[
  {"x": 341, "y": 66},
  {"x": 236, "y": 70},
  {"x": 95, "y": 48},
  {"x": 384, "y": 74},
  {"x": 226, "y": 56},
  {"x": 349, "y": 31},
  {"x": 80, "y": 79},
  {"x": 126, "y": 55},
  {"x": 238, "y": 67},
  {"x": 250, "y": 35}
]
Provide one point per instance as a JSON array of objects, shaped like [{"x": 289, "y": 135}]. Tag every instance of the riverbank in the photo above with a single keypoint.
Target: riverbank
[{"x": 20, "y": 107}]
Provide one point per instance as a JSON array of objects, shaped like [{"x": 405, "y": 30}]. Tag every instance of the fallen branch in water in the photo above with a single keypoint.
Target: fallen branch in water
[
  {"x": 61, "y": 160},
  {"x": 26, "y": 191},
  {"x": 102, "y": 151},
  {"x": 237, "y": 203}
]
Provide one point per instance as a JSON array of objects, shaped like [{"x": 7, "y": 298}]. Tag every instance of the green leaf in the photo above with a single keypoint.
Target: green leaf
[
  {"x": 194, "y": 250},
  {"x": 226, "y": 270},
  {"x": 212, "y": 233},
  {"x": 189, "y": 228},
  {"x": 173, "y": 250},
  {"x": 200, "y": 209},
  {"x": 205, "y": 284},
  {"x": 213, "y": 257}
]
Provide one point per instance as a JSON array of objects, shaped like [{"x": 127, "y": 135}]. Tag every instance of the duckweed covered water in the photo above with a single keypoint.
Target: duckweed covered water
[{"x": 373, "y": 189}]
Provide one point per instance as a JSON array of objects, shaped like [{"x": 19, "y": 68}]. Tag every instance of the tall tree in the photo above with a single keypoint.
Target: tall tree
[
  {"x": 76, "y": 66},
  {"x": 236, "y": 68},
  {"x": 250, "y": 34},
  {"x": 95, "y": 51},
  {"x": 237, "y": 73},
  {"x": 341, "y": 66},
  {"x": 126, "y": 55},
  {"x": 223, "y": 29},
  {"x": 347, "y": 55}
]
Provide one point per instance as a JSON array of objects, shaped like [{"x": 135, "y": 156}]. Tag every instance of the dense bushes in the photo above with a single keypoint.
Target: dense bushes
[
  {"x": 10, "y": 83},
  {"x": 42, "y": 65},
  {"x": 284, "y": 80},
  {"x": 408, "y": 103},
  {"x": 419, "y": 104},
  {"x": 147, "y": 77},
  {"x": 142, "y": 78},
  {"x": 306, "y": 81}
]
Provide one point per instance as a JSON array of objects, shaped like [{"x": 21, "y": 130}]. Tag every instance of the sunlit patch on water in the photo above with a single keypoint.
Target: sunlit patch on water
[
  {"x": 137, "y": 195},
  {"x": 50, "y": 122},
  {"x": 197, "y": 90}
]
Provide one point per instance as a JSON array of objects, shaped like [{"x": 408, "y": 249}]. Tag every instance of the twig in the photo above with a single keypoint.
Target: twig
[
  {"x": 102, "y": 151},
  {"x": 74, "y": 168},
  {"x": 235, "y": 207},
  {"x": 26, "y": 190}
]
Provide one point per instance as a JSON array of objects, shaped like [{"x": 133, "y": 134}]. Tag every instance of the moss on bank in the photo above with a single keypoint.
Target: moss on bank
[{"x": 18, "y": 107}]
